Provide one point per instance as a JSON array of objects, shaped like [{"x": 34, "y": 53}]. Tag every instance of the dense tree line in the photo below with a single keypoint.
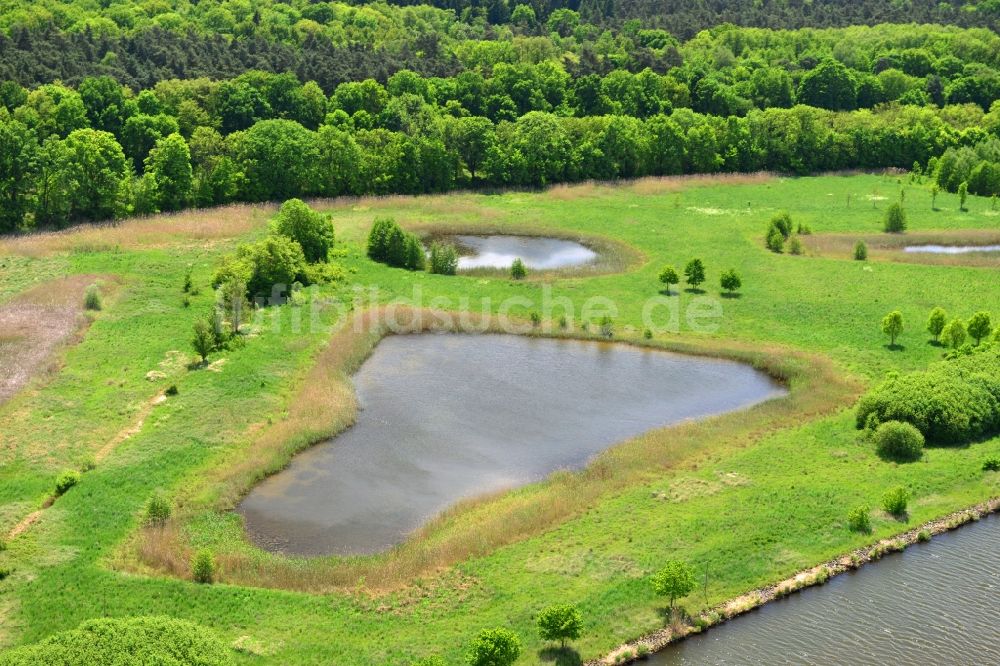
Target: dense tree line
[
  {"x": 100, "y": 150},
  {"x": 687, "y": 17},
  {"x": 976, "y": 167}
]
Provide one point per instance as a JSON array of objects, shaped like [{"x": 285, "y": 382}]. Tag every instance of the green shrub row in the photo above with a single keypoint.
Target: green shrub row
[{"x": 951, "y": 403}]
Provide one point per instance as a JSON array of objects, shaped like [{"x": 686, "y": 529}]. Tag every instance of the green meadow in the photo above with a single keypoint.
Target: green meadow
[{"x": 748, "y": 498}]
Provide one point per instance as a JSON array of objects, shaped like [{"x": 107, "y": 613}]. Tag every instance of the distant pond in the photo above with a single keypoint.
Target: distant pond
[
  {"x": 537, "y": 252},
  {"x": 951, "y": 249},
  {"x": 449, "y": 416}
]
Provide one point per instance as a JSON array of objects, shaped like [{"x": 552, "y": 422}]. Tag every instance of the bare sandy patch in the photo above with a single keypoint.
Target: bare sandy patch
[{"x": 34, "y": 325}]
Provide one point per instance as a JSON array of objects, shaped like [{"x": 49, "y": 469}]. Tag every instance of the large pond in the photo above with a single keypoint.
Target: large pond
[
  {"x": 951, "y": 249},
  {"x": 446, "y": 417},
  {"x": 934, "y": 603},
  {"x": 537, "y": 252}
]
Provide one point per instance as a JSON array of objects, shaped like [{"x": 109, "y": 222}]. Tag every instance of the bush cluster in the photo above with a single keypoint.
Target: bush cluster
[
  {"x": 66, "y": 480},
  {"x": 898, "y": 441},
  {"x": 952, "y": 402},
  {"x": 389, "y": 244},
  {"x": 859, "y": 519},
  {"x": 132, "y": 640},
  {"x": 280, "y": 259},
  {"x": 443, "y": 259},
  {"x": 894, "y": 501}
]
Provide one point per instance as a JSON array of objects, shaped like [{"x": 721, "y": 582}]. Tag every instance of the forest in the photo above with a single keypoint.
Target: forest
[
  {"x": 113, "y": 111},
  {"x": 523, "y": 111}
]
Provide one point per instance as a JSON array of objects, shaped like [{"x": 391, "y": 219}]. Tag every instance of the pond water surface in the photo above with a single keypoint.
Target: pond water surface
[
  {"x": 934, "y": 603},
  {"x": 951, "y": 249},
  {"x": 537, "y": 252},
  {"x": 446, "y": 417}
]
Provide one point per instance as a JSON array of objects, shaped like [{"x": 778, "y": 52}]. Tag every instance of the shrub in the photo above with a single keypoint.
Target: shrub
[
  {"x": 953, "y": 334},
  {"x": 936, "y": 321},
  {"x": 647, "y": 334},
  {"x": 892, "y": 325},
  {"x": 416, "y": 260},
  {"x": 157, "y": 509},
  {"x": 560, "y": 623},
  {"x": 186, "y": 288},
  {"x": 795, "y": 246},
  {"x": 860, "y": 251},
  {"x": 203, "y": 568},
  {"x": 923, "y": 536},
  {"x": 894, "y": 501},
  {"x": 963, "y": 194},
  {"x": 494, "y": 647},
  {"x": 92, "y": 298},
  {"x": 517, "y": 270},
  {"x": 898, "y": 441},
  {"x": 444, "y": 259},
  {"x": 980, "y": 326},
  {"x": 66, "y": 480},
  {"x": 895, "y": 219},
  {"x": 129, "y": 640},
  {"x": 171, "y": 390},
  {"x": 312, "y": 230},
  {"x": 952, "y": 402},
  {"x": 203, "y": 341},
  {"x": 859, "y": 519},
  {"x": 5, "y": 572},
  {"x": 378, "y": 239},
  {"x": 607, "y": 327},
  {"x": 536, "y": 319},
  {"x": 668, "y": 276},
  {"x": 730, "y": 280},
  {"x": 803, "y": 229},
  {"x": 694, "y": 273},
  {"x": 675, "y": 580},
  {"x": 783, "y": 223},
  {"x": 991, "y": 465},
  {"x": 775, "y": 240}
]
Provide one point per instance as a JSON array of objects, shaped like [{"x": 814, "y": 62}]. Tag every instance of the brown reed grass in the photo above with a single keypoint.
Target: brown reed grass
[{"x": 199, "y": 225}]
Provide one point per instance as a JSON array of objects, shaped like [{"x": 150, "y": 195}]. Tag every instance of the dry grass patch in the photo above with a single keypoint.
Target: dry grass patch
[
  {"x": 34, "y": 324},
  {"x": 670, "y": 184},
  {"x": 203, "y": 225},
  {"x": 889, "y": 247}
]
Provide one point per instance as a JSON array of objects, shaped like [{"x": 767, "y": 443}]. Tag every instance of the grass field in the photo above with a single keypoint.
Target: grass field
[{"x": 749, "y": 497}]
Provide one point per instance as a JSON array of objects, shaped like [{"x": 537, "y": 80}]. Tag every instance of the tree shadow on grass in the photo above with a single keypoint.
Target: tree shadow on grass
[
  {"x": 667, "y": 292},
  {"x": 694, "y": 290},
  {"x": 896, "y": 347},
  {"x": 560, "y": 656},
  {"x": 730, "y": 294}
]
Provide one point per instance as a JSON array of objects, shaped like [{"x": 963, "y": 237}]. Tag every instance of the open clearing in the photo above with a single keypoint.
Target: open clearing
[{"x": 750, "y": 498}]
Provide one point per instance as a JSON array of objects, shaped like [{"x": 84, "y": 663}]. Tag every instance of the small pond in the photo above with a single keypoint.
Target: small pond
[
  {"x": 446, "y": 417},
  {"x": 934, "y": 603},
  {"x": 537, "y": 252},
  {"x": 951, "y": 249}
]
